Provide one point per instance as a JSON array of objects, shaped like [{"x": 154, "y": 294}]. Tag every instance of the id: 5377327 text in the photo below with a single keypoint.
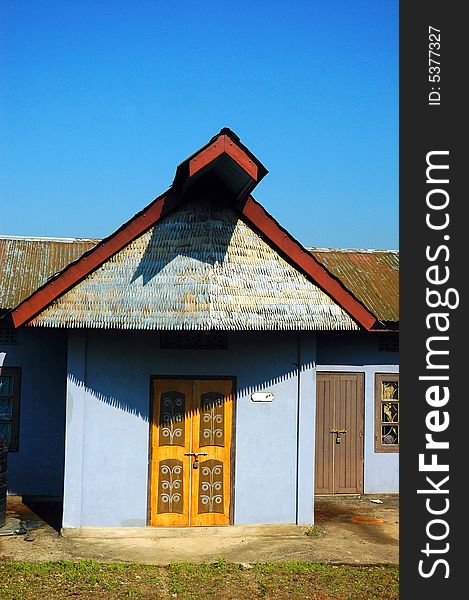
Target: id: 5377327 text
[{"x": 434, "y": 67}]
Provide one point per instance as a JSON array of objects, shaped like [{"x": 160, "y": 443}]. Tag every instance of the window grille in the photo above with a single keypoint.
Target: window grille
[
  {"x": 8, "y": 336},
  {"x": 388, "y": 343},
  {"x": 387, "y": 412},
  {"x": 193, "y": 340}
]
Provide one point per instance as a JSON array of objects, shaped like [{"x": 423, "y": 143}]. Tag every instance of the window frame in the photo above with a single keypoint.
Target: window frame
[
  {"x": 14, "y": 372},
  {"x": 379, "y": 446}
]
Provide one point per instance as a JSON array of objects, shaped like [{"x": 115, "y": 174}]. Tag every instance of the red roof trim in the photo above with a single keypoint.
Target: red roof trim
[
  {"x": 222, "y": 144},
  {"x": 205, "y": 157},
  {"x": 266, "y": 224},
  {"x": 241, "y": 158}
]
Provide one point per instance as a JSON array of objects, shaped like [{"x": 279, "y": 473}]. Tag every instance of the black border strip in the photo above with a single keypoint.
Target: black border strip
[{"x": 432, "y": 121}]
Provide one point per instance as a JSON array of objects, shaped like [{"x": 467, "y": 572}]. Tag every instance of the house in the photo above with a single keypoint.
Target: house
[{"x": 198, "y": 366}]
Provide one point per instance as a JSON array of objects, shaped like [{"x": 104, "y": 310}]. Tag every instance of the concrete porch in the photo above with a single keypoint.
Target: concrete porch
[{"x": 349, "y": 529}]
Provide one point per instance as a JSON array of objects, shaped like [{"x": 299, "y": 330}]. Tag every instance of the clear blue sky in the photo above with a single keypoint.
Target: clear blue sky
[{"x": 100, "y": 100}]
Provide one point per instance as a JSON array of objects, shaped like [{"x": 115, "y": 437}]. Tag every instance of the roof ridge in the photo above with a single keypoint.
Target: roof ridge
[
  {"x": 363, "y": 250},
  {"x": 34, "y": 238}
]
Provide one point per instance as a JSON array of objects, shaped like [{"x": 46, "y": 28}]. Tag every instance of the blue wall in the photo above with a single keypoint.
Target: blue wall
[
  {"x": 108, "y": 424},
  {"x": 359, "y": 353},
  {"x": 107, "y": 394},
  {"x": 37, "y": 468}
]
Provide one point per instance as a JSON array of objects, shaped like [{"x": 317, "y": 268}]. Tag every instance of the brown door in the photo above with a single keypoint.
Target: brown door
[
  {"x": 339, "y": 453},
  {"x": 190, "y": 465}
]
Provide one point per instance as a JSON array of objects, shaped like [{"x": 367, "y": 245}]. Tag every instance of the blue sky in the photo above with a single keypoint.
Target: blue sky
[{"x": 100, "y": 100}]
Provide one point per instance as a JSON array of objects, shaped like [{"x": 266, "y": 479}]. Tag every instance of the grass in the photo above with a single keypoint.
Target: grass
[
  {"x": 312, "y": 531},
  {"x": 219, "y": 580}
]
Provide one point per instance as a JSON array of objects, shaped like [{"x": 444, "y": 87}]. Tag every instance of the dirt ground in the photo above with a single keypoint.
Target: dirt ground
[{"x": 348, "y": 529}]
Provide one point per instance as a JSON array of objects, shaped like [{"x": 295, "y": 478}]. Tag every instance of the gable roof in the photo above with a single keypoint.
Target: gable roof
[
  {"x": 224, "y": 162},
  {"x": 199, "y": 268}
]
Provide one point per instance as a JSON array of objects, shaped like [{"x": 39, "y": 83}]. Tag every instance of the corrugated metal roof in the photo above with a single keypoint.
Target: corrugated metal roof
[
  {"x": 199, "y": 268},
  {"x": 371, "y": 275},
  {"x": 27, "y": 263}
]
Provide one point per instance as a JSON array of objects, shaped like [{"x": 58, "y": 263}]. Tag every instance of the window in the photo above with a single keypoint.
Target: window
[
  {"x": 7, "y": 336},
  {"x": 193, "y": 340},
  {"x": 10, "y": 405},
  {"x": 387, "y": 413},
  {"x": 388, "y": 343}
]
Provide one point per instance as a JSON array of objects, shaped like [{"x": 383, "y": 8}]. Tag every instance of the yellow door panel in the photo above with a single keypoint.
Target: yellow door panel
[
  {"x": 191, "y": 431},
  {"x": 211, "y": 435},
  {"x": 170, "y": 443}
]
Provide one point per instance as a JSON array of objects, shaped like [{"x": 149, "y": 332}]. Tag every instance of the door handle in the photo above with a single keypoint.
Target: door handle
[
  {"x": 195, "y": 454},
  {"x": 195, "y": 464},
  {"x": 339, "y": 433}
]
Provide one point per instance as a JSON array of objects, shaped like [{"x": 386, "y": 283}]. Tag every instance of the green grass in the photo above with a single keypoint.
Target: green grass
[
  {"x": 219, "y": 580},
  {"x": 312, "y": 531}
]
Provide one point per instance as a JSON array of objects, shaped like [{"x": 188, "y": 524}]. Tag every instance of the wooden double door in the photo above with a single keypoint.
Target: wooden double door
[
  {"x": 191, "y": 448},
  {"x": 339, "y": 433}
]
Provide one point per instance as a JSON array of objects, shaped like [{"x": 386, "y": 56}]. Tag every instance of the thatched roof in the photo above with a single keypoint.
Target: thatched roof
[{"x": 203, "y": 268}]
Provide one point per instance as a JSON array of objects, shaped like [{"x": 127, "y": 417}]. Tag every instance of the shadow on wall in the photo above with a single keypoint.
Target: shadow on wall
[
  {"x": 352, "y": 348},
  {"x": 140, "y": 406}
]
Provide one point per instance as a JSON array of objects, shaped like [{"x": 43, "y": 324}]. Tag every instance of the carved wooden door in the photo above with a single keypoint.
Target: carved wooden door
[
  {"x": 190, "y": 481},
  {"x": 339, "y": 433}
]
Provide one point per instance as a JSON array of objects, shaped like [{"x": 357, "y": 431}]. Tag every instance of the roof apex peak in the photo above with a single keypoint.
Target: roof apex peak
[
  {"x": 224, "y": 158},
  {"x": 230, "y": 133}
]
